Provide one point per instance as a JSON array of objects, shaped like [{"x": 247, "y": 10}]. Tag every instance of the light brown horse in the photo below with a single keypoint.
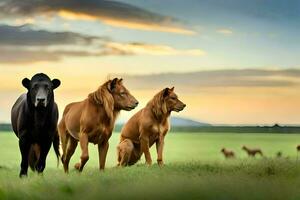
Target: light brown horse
[
  {"x": 146, "y": 127},
  {"x": 228, "y": 153},
  {"x": 92, "y": 120},
  {"x": 252, "y": 152}
]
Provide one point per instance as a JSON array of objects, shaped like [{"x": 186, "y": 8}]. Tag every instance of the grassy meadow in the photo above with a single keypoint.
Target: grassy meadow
[{"x": 194, "y": 169}]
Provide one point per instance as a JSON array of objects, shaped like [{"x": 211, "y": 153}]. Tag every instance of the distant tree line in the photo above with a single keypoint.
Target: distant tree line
[
  {"x": 5, "y": 127},
  {"x": 210, "y": 129},
  {"x": 232, "y": 129},
  {"x": 239, "y": 129}
]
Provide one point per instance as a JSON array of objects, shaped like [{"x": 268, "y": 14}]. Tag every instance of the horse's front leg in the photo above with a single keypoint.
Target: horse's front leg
[
  {"x": 102, "y": 151},
  {"x": 84, "y": 142}
]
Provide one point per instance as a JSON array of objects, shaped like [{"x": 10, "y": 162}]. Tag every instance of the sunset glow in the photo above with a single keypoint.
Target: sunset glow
[{"x": 230, "y": 65}]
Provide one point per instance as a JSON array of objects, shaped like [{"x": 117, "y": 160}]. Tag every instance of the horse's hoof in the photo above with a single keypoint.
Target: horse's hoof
[{"x": 77, "y": 166}]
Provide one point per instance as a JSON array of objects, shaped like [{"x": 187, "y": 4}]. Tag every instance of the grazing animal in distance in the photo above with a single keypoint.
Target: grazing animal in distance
[
  {"x": 92, "y": 121},
  {"x": 252, "y": 152},
  {"x": 34, "y": 119},
  {"x": 228, "y": 153},
  {"x": 279, "y": 154},
  {"x": 148, "y": 126},
  {"x": 298, "y": 149}
]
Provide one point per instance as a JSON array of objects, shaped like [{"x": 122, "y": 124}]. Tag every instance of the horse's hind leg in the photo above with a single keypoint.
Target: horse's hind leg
[
  {"x": 71, "y": 145},
  {"x": 62, "y": 132},
  {"x": 124, "y": 149}
]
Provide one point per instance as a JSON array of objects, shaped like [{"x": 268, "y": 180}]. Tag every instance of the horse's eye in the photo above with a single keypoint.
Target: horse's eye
[
  {"x": 174, "y": 98},
  {"x": 122, "y": 94}
]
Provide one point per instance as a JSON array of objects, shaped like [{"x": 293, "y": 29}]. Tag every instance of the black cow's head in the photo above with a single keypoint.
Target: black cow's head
[{"x": 40, "y": 89}]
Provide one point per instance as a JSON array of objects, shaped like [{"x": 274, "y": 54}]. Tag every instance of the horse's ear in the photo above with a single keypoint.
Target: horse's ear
[
  {"x": 26, "y": 83},
  {"x": 120, "y": 80},
  {"x": 113, "y": 84},
  {"x": 55, "y": 83},
  {"x": 172, "y": 89},
  {"x": 166, "y": 92}
]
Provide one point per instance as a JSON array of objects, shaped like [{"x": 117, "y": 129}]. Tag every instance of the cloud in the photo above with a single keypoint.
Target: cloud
[
  {"x": 109, "y": 12},
  {"x": 25, "y": 35},
  {"x": 151, "y": 49},
  {"x": 217, "y": 78},
  {"x": 225, "y": 31},
  {"x": 26, "y": 56},
  {"x": 26, "y": 44}
]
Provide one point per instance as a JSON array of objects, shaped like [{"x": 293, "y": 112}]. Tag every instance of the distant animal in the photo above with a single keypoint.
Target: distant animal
[
  {"x": 34, "y": 120},
  {"x": 279, "y": 154},
  {"x": 298, "y": 149},
  {"x": 92, "y": 120},
  {"x": 252, "y": 152},
  {"x": 228, "y": 153},
  {"x": 148, "y": 126}
]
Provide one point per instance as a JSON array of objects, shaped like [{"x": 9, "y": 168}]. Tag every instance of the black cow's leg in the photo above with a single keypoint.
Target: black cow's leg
[
  {"x": 24, "y": 146},
  {"x": 42, "y": 161}
]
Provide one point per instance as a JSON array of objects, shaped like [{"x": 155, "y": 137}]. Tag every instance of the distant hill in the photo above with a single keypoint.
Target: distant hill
[
  {"x": 184, "y": 122},
  {"x": 184, "y": 125}
]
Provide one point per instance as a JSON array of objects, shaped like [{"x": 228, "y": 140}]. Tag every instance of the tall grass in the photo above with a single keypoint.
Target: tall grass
[{"x": 194, "y": 169}]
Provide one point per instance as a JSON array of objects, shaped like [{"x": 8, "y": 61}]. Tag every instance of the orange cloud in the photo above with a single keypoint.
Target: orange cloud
[
  {"x": 152, "y": 49},
  {"x": 75, "y": 16},
  {"x": 117, "y": 22}
]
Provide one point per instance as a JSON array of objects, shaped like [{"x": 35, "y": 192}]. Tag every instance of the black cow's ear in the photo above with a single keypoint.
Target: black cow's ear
[
  {"x": 26, "y": 83},
  {"x": 55, "y": 83},
  {"x": 113, "y": 84}
]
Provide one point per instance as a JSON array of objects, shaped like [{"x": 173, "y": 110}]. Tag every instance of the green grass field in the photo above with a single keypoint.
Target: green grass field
[{"x": 194, "y": 169}]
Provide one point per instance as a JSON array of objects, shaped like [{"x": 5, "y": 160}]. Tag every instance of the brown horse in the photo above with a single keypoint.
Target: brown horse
[
  {"x": 252, "y": 152},
  {"x": 92, "y": 120},
  {"x": 146, "y": 127},
  {"x": 228, "y": 153},
  {"x": 298, "y": 149}
]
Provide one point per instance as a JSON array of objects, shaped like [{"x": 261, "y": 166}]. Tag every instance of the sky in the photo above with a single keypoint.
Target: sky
[{"x": 231, "y": 61}]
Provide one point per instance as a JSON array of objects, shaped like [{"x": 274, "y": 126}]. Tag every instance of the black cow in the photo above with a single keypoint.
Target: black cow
[{"x": 34, "y": 120}]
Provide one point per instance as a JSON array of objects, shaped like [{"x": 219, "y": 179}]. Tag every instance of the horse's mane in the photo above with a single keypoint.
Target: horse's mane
[
  {"x": 102, "y": 97},
  {"x": 158, "y": 105}
]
